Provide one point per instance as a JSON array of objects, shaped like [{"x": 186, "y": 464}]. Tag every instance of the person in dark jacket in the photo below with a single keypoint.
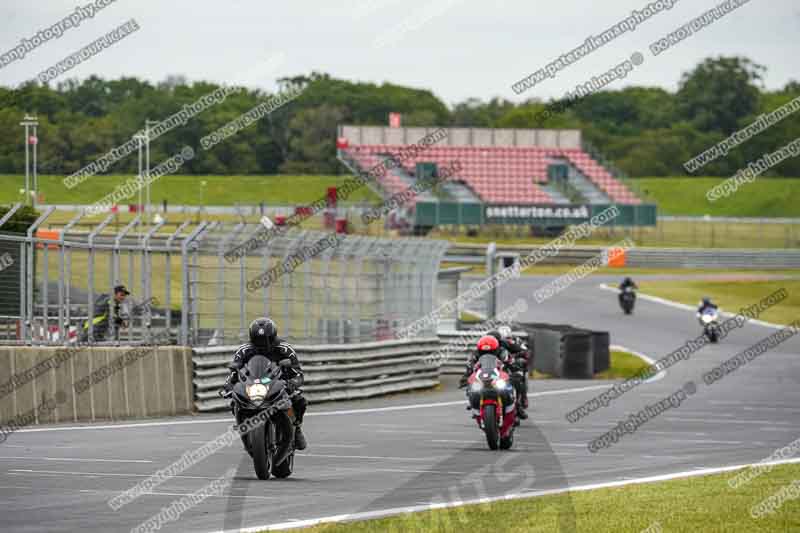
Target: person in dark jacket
[
  {"x": 264, "y": 341},
  {"x": 106, "y": 310}
]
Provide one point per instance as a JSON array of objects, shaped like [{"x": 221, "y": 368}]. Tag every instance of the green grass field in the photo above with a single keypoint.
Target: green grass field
[
  {"x": 731, "y": 296},
  {"x": 697, "y": 504},
  {"x": 765, "y": 197},
  {"x": 188, "y": 190}
]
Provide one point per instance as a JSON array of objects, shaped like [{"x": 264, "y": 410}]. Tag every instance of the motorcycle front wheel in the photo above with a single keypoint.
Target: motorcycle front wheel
[
  {"x": 258, "y": 445},
  {"x": 490, "y": 427}
]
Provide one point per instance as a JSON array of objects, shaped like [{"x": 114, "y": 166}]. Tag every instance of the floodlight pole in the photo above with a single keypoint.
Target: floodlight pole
[{"x": 29, "y": 122}]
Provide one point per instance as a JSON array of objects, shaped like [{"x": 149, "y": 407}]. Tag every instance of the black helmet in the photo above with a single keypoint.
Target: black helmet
[
  {"x": 628, "y": 280},
  {"x": 263, "y": 332},
  {"x": 706, "y": 300},
  {"x": 496, "y": 334}
]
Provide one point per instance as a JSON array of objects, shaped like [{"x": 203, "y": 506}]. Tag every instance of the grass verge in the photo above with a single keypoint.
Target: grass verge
[
  {"x": 731, "y": 295},
  {"x": 624, "y": 365},
  {"x": 702, "y": 503},
  {"x": 189, "y": 190}
]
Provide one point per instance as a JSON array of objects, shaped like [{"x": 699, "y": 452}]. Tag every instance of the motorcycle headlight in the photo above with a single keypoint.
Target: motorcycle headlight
[
  {"x": 708, "y": 318},
  {"x": 476, "y": 386},
  {"x": 256, "y": 392},
  {"x": 500, "y": 384}
]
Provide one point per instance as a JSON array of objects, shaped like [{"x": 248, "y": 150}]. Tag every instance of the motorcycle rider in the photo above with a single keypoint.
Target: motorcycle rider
[
  {"x": 264, "y": 341},
  {"x": 506, "y": 352},
  {"x": 626, "y": 283},
  {"x": 705, "y": 305},
  {"x": 521, "y": 359}
]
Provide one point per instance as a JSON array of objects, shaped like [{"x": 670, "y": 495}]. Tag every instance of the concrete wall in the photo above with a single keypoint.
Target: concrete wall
[{"x": 151, "y": 381}]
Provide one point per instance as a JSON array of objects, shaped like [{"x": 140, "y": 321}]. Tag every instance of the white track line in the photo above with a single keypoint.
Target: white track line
[
  {"x": 678, "y": 305},
  {"x": 428, "y": 507},
  {"x": 76, "y": 459},
  {"x": 324, "y": 413}
]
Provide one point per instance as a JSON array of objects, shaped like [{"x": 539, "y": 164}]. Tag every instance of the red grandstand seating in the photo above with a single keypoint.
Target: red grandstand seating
[{"x": 505, "y": 174}]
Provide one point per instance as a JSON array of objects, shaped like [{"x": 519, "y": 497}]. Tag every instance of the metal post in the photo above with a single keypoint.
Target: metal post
[
  {"x": 186, "y": 282},
  {"x": 64, "y": 281},
  {"x": 222, "y": 246},
  {"x": 147, "y": 280},
  {"x": 168, "y": 280},
  {"x": 491, "y": 264},
  {"x": 90, "y": 241},
  {"x": 35, "y": 177},
  {"x": 29, "y": 281}
]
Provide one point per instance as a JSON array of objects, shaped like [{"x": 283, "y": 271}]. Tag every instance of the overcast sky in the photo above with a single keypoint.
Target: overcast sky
[{"x": 455, "y": 48}]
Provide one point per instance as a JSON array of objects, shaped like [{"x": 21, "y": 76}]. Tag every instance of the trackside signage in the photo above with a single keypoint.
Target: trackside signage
[{"x": 525, "y": 214}]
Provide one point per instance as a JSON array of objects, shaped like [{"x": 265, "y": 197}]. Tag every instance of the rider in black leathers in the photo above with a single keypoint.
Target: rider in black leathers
[
  {"x": 264, "y": 341},
  {"x": 627, "y": 282}
]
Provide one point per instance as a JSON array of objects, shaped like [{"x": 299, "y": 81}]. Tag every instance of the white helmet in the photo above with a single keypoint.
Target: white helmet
[{"x": 504, "y": 331}]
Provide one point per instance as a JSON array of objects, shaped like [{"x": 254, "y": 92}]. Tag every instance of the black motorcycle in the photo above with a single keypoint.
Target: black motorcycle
[
  {"x": 627, "y": 299},
  {"x": 262, "y": 403}
]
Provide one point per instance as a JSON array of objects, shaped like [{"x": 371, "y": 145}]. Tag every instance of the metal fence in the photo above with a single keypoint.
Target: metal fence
[{"x": 184, "y": 291}]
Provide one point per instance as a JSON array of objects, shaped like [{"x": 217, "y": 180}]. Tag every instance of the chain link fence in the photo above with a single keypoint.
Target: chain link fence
[{"x": 184, "y": 291}]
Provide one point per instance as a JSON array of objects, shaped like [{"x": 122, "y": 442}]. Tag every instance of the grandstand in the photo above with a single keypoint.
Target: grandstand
[{"x": 499, "y": 167}]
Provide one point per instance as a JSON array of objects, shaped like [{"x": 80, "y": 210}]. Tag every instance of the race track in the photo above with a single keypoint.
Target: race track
[{"x": 416, "y": 449}]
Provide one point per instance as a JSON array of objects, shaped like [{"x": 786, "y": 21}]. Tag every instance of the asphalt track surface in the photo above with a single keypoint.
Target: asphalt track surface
[{"x": 422, "y": 448}]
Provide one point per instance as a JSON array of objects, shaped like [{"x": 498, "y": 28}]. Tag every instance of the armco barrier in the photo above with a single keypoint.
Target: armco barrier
[
  {"x": 643, "y": 257},
  {"x": 157, "y": 382},
  {"x": 332, "y": 372}
]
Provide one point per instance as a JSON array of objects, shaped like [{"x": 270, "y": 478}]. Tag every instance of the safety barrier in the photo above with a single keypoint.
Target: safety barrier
[
  {"x": 642, "y": 257},
  {"x": 332, "y": 372},
  {"x": 562, "y": 351},
  {"x": 86, "y": 384}
]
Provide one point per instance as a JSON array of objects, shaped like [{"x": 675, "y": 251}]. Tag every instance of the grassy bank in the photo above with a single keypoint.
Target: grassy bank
[
  {"x": 688, "y": 505},
  {"x": 765, "y": 197},
  {"x": 189, "y": 190}
]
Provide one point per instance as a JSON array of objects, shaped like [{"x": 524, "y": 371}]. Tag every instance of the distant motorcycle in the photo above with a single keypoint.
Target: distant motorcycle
[
  {"x": 627, "y": 299},
  {"x": 261, "y": 394},
  {"x": 709, "y": 319},
  {"x": 493, "y": 402}
]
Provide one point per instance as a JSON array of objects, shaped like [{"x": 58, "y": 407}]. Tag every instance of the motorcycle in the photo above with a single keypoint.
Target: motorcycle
[
  {"x": 493, "y": 402},
  {"x": 627, "y": 299},
  {"x": 709, "y": 319},
  {"x": 261, "y": 395}
]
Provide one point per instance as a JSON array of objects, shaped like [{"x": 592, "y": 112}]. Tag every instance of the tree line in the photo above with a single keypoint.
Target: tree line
[{"x": 646, "y": 131}]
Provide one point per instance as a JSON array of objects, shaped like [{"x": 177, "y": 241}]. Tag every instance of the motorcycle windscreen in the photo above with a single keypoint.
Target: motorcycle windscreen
[
  {"x": 259, "y": 367},
  {"x": 488, "y": 362}
]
